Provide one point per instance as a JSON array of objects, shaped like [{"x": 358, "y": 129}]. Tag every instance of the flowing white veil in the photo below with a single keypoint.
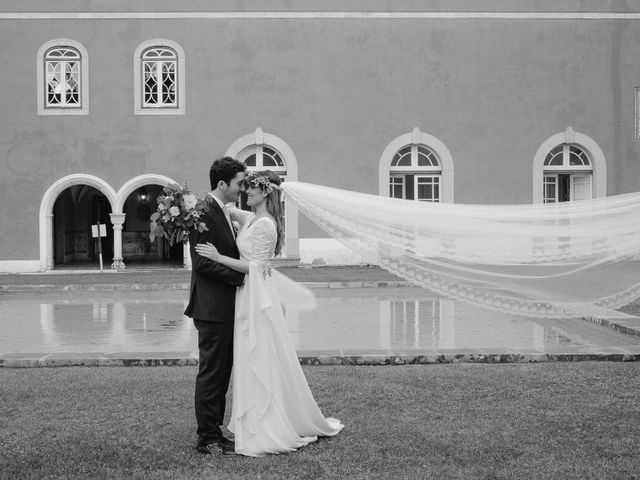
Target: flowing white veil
[{"x": 551, "y": 260}]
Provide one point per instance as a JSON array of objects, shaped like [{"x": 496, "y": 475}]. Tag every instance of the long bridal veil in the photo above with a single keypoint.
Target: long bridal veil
[{"x": 553, "y": 260}]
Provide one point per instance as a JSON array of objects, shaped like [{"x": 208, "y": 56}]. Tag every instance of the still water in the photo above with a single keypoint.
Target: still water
[{"x": 380, "y": 320}]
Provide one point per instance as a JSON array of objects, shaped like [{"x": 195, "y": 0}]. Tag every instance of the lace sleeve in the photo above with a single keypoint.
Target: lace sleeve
[
  {"x": 263, "y": 241},
  {"x": 240, "y": 216}
]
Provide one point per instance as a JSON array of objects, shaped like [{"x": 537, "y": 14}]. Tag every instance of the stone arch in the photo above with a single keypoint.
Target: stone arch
[
  {"x": 46, "y": 210},
  {"x": 259, "y": 137},
  {"x": 417, "y": 137},
  {"x": 117, "y": 218},
  {"x": 572, "y": 137},
  {"x": 130, "y": 186}
]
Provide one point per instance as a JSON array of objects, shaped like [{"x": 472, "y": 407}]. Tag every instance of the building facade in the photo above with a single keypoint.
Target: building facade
[{"x": 486, "y": 102}]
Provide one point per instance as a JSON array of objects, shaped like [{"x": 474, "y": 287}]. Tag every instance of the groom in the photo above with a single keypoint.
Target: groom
[{"x": 212, "y": 305}]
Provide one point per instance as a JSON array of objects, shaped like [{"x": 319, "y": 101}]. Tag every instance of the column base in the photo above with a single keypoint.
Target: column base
[{"x": 118, "y": 264}]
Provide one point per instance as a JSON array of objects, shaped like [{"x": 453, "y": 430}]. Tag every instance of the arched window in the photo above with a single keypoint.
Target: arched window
[
  {"x": 159, "y": 78},
  {"x": 567, "y": 174},
  {"x": 62, "y": 78},
  {"x": 159, "y": 67},
  {"x": 62, "y": 65},
  {"x": 262, "y": 157},
  {"x": 264, "y": 151},
  {"x": 415, "y": 174},
  {"x": 418, "y": 167},
  {"x": 568, "y": 167}
]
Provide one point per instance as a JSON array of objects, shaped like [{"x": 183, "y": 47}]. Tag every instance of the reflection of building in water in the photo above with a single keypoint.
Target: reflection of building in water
[
  {"x": 116, "y": 327},
  {"x": 417, "y": 323},
  {"x": 149, "y": 327},
  {"x": 440, "y": 323},
  {"x": 70, "y": 327},
  {"x": 100, "y": 312},
  {"x": 47, "y": 326}
]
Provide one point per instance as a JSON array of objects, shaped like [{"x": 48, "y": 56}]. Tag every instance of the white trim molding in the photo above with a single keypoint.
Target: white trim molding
[
  {"x": 321, "y": 15},
  {"x": 84, "y": 78},
  {"x": 46, "y": 210},
  {"x": 141, "y": 180},
  {"x": 416, "y": 137},
  {"x": 259, "y": 137},
  {"x": 137, "y": 79},
  {"x": 569, "y": 136},
  {"x": 636, "y": 94}
]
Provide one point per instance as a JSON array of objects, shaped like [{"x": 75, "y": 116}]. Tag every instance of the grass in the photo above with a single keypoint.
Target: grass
[{"x": 537, "y": 421}]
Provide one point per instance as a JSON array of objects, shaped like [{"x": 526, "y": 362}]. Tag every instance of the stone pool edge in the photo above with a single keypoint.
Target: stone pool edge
[
  {"x": 153, "y": 359},
  {"x": 147, "y": 287}
]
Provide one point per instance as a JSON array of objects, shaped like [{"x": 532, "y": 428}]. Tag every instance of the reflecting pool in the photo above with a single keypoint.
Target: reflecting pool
[{"x": 382, "y": 320}]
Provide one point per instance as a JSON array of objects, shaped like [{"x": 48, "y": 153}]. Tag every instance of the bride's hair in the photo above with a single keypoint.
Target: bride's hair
[{"x": 273, "y": 199}]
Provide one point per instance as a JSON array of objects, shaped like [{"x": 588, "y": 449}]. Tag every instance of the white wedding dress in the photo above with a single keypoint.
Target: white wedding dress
[{"x": 273, "y": 408}]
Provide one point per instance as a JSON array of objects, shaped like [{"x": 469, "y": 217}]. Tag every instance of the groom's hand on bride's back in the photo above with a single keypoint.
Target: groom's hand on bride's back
[
  {"x": 207, "y": 250},
  {"x": 208, "y": 268}
]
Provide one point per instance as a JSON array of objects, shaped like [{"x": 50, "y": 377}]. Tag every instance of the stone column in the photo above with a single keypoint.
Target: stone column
[
  {"x": 117, "y": 219},
  {"x": 186, "y": 255},
  {"x": 48, "y": 255}
]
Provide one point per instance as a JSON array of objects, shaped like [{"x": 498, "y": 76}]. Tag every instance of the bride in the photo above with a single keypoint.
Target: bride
[{"x": 273, "y": 408}]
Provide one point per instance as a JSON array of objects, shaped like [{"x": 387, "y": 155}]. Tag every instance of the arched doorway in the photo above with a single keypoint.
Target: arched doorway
[
  {"x": 75, "y": 210},
  {"x": 137, "y": 249},
  {"x": 68, "y": 209},
  {"x": 137, "y": 199}
]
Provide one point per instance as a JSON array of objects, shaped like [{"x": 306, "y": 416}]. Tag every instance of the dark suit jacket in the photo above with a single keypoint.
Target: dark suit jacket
[{"x": 213, "y": 285}]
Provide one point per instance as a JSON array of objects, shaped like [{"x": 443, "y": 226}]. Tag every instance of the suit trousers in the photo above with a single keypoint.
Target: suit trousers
[{"x": 215, "y": 344}]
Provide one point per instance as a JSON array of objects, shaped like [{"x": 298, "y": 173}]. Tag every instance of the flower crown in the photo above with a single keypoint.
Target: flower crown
[{"x": 254, "y": 180}]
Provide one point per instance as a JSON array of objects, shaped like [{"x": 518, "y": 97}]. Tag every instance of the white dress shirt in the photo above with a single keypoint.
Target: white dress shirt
[{"x": 225, "y": 210}]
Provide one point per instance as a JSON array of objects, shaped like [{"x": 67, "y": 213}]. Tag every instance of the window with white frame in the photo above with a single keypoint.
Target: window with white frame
[
  {"x": 415, "y": 174},
  {"x": 567, "y": 175},
  {"x": 159, "y": 78},
  {"x": 262, "y": 157},
  {"x": 62, "y": 78},
  {"x": 62, "y": 66}
]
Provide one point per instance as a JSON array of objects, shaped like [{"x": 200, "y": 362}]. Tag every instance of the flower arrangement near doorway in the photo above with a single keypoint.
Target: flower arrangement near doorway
[{"x": 179, "y": 211}]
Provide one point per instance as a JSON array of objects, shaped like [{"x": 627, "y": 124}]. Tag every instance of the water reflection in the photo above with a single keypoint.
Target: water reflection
[{"x": 364, "y": 319}]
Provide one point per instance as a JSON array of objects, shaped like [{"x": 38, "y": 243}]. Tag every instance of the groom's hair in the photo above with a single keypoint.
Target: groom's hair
[{"x": 224, "y": 169}]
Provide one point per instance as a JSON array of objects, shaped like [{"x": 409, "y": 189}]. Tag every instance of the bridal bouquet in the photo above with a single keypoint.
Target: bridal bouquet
[{"x": 179, "y": 211}]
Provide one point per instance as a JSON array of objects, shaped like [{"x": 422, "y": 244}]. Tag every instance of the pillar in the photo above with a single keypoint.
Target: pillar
[
  {"x": 186, "y": 256},
  {"x": 48, "y": 256},
  {"x": 117, "y": 219}
]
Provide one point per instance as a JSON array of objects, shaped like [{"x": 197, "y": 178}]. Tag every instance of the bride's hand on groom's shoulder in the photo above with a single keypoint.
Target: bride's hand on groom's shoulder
[{"x": 208, "y": 250}]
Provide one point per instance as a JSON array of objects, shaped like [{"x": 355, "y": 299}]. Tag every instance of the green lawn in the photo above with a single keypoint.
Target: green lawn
[{"x": 466, "y": 421}]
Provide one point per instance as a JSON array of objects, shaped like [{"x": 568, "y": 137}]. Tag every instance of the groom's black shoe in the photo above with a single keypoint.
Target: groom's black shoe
[
  {"x": 209, "y": 446},
  {"x": 214, "y": 445},
  {"x": 229, "y": 449},
  {"x": 227, "y": 443}
]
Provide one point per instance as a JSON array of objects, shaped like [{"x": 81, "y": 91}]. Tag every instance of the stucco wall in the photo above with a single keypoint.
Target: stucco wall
[{"x": 336, "y": 90}]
